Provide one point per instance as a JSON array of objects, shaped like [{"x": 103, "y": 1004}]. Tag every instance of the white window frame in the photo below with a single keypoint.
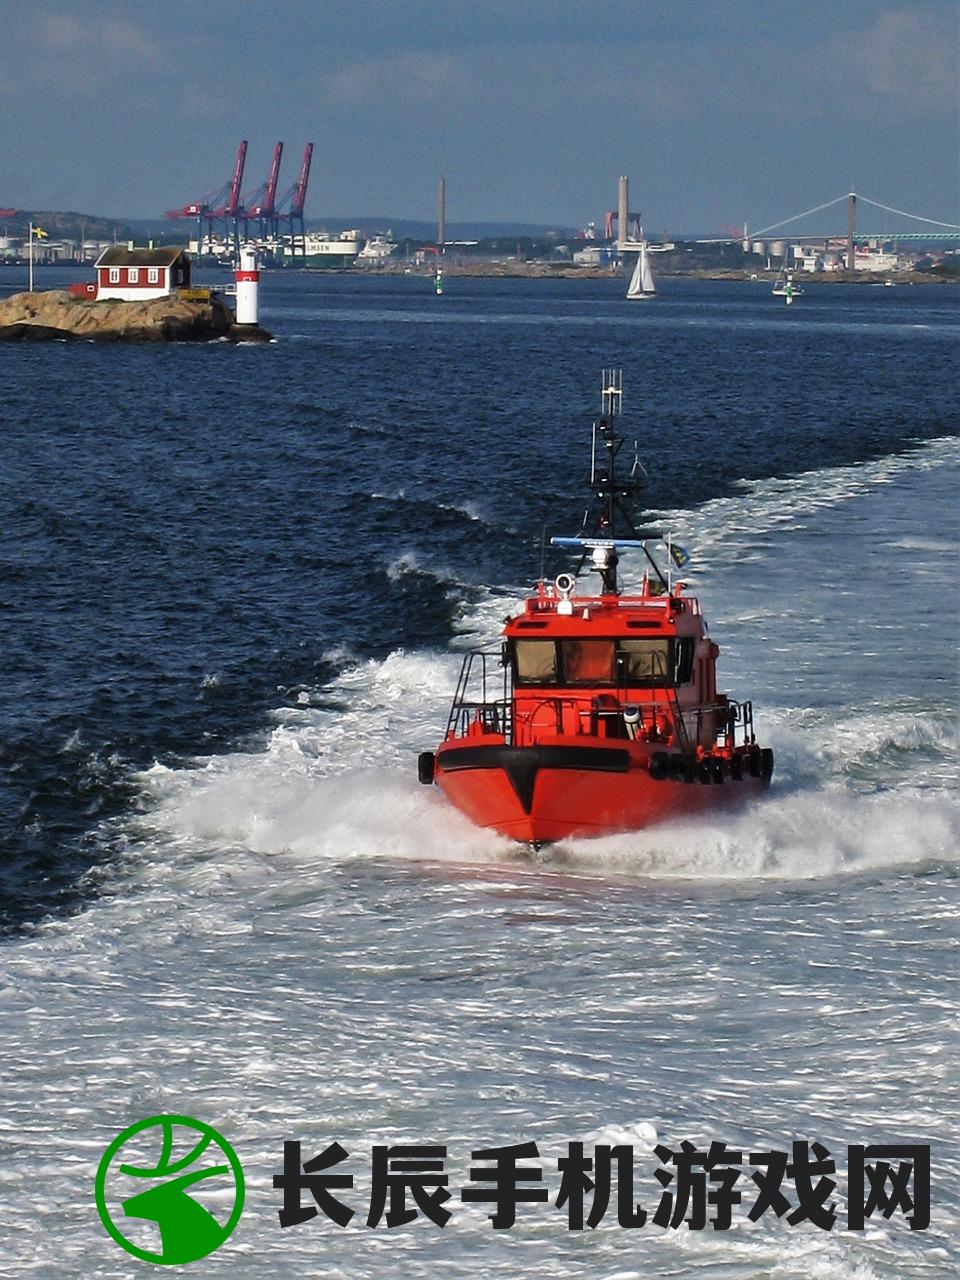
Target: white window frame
[
  {"x": 114, "y": 275},
  {"x": 153, "y": 275},
  {"x": 133, "y": 275}
]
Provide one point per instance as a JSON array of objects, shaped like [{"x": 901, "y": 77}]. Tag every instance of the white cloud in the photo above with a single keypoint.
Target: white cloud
[
  {"x": 407, "y": 77},
  {"x": 63, "y": 33},
  {"x": 908, "y": 57}
]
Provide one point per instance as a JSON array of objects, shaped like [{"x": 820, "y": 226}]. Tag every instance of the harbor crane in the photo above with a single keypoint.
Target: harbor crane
[
  {"x": 223, "y": 204},
  {"x": 262, "y": 205},
  {"x": 296, "y": 197}
]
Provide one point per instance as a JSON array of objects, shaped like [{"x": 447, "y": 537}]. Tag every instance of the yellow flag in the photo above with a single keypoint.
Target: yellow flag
[{"x": 40, "y": 233}]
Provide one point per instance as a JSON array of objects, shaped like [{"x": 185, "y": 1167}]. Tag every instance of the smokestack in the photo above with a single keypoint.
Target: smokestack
[
  {"x": 623, "y": 210},
  {"x": 442, "y": 225},
  {"x": 851, "y": 231}
]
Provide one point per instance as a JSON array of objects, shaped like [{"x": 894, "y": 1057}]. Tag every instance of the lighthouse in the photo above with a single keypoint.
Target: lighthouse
[{"x": 247, "y": 277}]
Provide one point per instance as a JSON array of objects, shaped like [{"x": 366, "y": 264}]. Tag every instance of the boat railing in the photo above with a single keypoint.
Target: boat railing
[
  {"x": 722, "y": 720},
  {"x": 740, "y": 714},
  {"x": 483, "y": 703},
  {"x": 482, "y": 717},
  {"x": 653, "y": 720},
  {"x": 484, "y": 676},
  {"x": 604, "y": 716}
]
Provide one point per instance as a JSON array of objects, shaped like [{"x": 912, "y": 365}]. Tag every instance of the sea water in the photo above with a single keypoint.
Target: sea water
[{"x": 239, "y": 583}]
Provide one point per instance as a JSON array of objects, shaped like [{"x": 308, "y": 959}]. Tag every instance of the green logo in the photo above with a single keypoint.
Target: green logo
[{"x": 174, "y": 1153}]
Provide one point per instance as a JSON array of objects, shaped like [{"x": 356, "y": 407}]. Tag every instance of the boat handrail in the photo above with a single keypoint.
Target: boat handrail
[
  {"x": 664, "y": 718},
  {"x": 493, "y": 717},
  {"x": 732, "y": 714},
  {"x": 461, "y": 703},
  {"x": 493, "y": 708}
]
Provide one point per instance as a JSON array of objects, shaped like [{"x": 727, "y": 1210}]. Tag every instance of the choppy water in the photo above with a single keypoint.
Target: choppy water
[{"x": 236, "y": 585}]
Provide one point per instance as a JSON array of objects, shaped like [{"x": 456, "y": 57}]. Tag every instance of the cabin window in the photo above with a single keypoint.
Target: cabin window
[
  {"x": 645, "y": 661},
  {"x": 114, "y": 275},
  {"x": 683, "y": 660},
  {"x": 630, "y": 660},
  {"x": 536, "y": 661},
  {"x": 153, "y": 275},
  {"x": 657, "y": 662},
  {"x": 587, "y": 661},
  {"x": 133, "y": 275}
]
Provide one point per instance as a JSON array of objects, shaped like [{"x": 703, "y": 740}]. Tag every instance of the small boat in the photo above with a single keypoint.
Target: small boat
[
  {"x": 641, "y": 282},
  {"x": 783, "y": 285},
  {"x": 599, "y": 711}
]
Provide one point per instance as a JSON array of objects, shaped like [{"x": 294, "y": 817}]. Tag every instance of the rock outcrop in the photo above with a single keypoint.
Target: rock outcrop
[{"x": 57, "y": 315}]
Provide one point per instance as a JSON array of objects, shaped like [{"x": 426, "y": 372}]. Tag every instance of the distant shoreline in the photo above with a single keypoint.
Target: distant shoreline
[{"x": 567, "y": 271}]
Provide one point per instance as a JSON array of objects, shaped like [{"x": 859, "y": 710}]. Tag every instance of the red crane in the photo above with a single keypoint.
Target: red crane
[
  {"x": 224, "y": 203},
  {"x": 232, "y": 208},
  {"x": 263, "y": 203},
  {"x": 296, "y": 196}
]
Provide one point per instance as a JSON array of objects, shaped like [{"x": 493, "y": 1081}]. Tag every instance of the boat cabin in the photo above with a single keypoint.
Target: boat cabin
[{"x": 639, "y": 668}]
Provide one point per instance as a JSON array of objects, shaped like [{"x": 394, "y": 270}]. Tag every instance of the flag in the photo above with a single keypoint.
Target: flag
[
  {"x": 40, "y": 233},
  {"x": 679, "y": 554}
]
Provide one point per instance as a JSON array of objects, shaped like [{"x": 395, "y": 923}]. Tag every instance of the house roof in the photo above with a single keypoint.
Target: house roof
[{"x": 120, "y": 256}]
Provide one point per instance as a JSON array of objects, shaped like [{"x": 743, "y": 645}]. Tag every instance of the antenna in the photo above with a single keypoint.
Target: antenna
[
  {"x": 638, "y": 468},
  {"x": 611, "y": 495},
  {"x": 611, "y": 392}
]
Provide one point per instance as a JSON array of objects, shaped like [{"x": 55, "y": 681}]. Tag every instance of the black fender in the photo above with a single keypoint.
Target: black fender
[
  {"x": 659, "y": 765},
  {"x": 426, "y": 765}
]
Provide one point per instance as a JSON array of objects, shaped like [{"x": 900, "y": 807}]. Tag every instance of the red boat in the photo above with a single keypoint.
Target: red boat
[{"x": 599, "y": 712}]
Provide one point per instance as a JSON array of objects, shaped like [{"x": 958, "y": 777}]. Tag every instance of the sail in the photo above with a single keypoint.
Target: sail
[
  {"x": 641, "y": 282},
  {"x": 646, "y": 273}
]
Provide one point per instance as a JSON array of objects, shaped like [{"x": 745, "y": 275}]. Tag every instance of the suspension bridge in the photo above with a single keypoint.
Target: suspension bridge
[{"x": 915, "y": 228}]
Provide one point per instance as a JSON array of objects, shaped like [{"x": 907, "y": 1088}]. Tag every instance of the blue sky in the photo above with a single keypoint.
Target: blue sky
[{"x": 718, "y": 112}]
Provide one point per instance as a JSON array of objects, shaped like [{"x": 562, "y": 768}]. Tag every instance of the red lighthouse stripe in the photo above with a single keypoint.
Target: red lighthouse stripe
[{"x": 252, "y": 276}]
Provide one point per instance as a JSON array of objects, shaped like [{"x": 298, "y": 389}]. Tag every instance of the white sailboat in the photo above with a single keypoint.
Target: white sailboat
[{"x": 641, "y": 282}]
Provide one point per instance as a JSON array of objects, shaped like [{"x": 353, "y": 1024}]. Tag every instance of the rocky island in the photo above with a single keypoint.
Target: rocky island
[{"x": 197, "y": 315}]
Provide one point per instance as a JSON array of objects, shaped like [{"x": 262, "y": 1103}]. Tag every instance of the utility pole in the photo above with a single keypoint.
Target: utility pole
[{"x": 851, "y": 231}]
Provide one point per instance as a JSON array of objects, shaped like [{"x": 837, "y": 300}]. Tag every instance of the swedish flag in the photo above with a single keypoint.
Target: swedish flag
[
  {"x": 40, "y": 233},
  {"x": 680, "y": 555}
]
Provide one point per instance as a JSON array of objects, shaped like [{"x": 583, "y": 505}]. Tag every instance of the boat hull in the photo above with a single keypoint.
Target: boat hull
[{"x": 544, "y": 793}]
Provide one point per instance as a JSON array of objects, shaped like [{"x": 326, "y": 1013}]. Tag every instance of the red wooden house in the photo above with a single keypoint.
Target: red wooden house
[{"x": 134, "y": 275}]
